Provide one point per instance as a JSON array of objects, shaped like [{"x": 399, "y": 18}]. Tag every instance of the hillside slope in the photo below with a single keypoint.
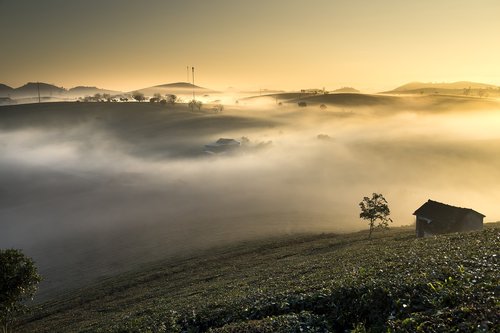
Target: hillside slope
[
  {"x": 451, "y": 85},
  {"x": 314, "y": 283},
  {"x": 31, "y": 89},
  {"x": 338, "y": 99},
  {"x": 178, "y": 88},
  {"x": 5, "y": 90},
  {"x": 81, "y": 91},
  {"x": 346, "y": 90},
  {"x": 454, "y": 88}
]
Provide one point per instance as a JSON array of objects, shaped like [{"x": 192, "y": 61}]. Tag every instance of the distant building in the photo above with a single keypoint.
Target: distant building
[
  {"x": 313, "y": 91},
  {"x": 434, "y": 218},
  {"x": 222, "y": 145}
]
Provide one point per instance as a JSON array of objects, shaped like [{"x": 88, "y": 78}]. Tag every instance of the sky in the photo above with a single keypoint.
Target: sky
[{"x": 249, "y": 44}]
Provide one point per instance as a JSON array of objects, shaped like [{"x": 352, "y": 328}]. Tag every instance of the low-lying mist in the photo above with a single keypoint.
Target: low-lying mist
[{"x": 93, "y": 189}]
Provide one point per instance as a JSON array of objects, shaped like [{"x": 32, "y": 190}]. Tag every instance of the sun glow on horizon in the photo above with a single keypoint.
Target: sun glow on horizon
[{"x": 372, "y": 46}]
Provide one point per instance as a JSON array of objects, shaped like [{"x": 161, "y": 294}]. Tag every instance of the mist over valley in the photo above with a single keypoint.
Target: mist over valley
[{"x": 91, "y": 189}]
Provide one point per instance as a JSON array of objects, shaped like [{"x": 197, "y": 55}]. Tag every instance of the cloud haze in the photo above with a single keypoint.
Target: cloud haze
[{"x": 89, "y": 190}]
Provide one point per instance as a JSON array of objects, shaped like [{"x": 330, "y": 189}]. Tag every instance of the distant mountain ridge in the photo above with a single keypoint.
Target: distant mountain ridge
[
  {"x": 5, "y": 87},
  {"x": 31, "y": 88},
  {"x": 51, "y": 91},
  {"x": 5, "y": 90},
  {"x": 460, "y": 87},
  {"x": 445, "y": 85}
]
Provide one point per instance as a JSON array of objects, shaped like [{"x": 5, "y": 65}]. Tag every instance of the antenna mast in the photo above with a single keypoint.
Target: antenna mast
[
  {"x": 192, "y": 68},
  {"x": 38, "y": 88}
]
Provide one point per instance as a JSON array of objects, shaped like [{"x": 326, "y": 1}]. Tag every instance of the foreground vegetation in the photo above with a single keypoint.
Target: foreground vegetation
[{"x": 317, "y": 283}]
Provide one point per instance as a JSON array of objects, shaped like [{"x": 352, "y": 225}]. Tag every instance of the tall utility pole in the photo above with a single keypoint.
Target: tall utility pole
[
  {"x": 38, "y": 88},
  {"x": 192, "y": 68}
]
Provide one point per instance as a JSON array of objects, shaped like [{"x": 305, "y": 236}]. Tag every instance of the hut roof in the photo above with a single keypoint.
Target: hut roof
[
  {"x": 224, "y": 141},
  {"x": 442, "y": 212}
]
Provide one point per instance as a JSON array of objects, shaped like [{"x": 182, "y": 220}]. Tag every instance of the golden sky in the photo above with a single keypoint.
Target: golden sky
[{"x": 372, "y": 45}]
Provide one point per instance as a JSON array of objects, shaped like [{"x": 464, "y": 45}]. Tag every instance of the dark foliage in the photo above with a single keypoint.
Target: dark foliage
[
  {"x": 18, "y": 283},
  {"x": 324, "y": 283},
  {"x": 376, "y": 211}
]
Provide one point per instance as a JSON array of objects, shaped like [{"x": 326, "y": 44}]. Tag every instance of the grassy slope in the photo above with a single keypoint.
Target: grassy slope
[
  {"x": 428, "y": 103},
  {"x": 341, "y": 99},
  {"x": 309, "y": 282}
]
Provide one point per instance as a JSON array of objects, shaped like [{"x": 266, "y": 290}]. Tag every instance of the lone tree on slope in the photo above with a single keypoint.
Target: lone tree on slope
[
  {"x": 375, "y": 209},
  {"x": 18, "y": 283}
]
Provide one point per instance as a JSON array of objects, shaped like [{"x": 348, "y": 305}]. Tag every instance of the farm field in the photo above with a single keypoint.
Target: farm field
[{"x": 306, "y": 283}]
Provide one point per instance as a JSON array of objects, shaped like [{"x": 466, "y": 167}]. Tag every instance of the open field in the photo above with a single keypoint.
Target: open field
[
  {"x": 301, "y": 283},
  {"x": 93, "y": 189}
]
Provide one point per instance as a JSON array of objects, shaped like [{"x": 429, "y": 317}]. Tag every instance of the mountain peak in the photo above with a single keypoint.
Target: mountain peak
[
  {"x": 42, "y": 85},
  {"x": 4, "y": 86}
]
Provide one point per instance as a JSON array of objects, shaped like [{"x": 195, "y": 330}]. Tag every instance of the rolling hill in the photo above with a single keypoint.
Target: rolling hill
[
  {"x": 5, "y": 90},
  {"x": 177, "y": 88},
  {"x": 179, "y": 85},
  {"x": 30, "y": 89},
  {"x": 306, "y": 283},
  {"x": 379, "y": 103},
  {"x": 454, "y": 88},
  {"x": 452, "y": 85},
  {"x": 346, "y": 90},
  {"x": 337, "y": 99},
  {"x": 82, "y": 91},
  {"x": 351, "y": 99}
]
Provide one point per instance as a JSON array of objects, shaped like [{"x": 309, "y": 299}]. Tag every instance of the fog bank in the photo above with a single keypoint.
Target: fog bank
[{"x": 92, "y": 189}]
